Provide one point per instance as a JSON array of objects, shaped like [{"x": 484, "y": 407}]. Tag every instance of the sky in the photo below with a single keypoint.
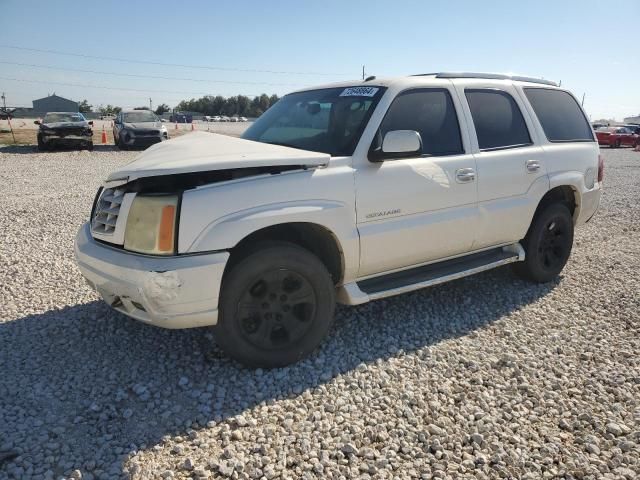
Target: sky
[{"x": 254, "y": 47}]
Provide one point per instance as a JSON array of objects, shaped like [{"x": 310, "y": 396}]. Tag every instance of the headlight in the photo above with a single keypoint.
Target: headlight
[{"x": 151, "y": 225}]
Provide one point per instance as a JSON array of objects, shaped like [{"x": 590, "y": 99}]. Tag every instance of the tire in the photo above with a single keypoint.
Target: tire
[
  {"x": 119, "y": 144},
  {"x": 547, "y": 244},
  {"x": 41, "y": 145},
  {"x": 259, "y": 323}
]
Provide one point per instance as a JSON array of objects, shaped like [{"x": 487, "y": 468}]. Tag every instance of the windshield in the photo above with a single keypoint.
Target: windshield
[
  {"x": 141, "y": 116},
  {"x": 63, "y": 117},
  {"x": 329, "y": 120}
]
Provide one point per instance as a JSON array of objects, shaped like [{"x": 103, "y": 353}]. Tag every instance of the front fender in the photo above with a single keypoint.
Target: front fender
[
  {"x": 219, "y": 216},
  {"x": 227, "y": 231}
]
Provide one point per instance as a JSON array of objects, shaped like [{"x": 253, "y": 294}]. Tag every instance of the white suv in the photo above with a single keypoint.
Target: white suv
[{"x": 348, "y": 192}]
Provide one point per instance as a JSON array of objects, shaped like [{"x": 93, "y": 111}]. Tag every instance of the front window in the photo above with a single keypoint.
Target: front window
[
  {"x": 329, "y": 120},
  {"x": 63, "y": 117},
  {"x": 141, "y": 116}
]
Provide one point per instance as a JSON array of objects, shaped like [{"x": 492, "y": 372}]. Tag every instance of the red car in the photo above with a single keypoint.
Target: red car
[{"x": 617, "y": 137}]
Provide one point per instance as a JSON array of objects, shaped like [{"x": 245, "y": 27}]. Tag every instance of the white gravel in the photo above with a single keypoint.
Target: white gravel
[{"x": 486, "y": 377}]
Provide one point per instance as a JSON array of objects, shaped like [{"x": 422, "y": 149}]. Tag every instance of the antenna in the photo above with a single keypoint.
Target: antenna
[
  {"x": 583, "y": 95},
  {"x": 363, "y": 72}
]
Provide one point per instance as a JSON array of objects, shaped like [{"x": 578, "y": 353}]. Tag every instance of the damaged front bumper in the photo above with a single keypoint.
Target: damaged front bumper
[{"x": 169, "y": 292}]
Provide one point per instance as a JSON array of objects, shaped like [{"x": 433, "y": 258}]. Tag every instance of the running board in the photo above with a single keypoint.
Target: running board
[{"x": 432, "y": 274}]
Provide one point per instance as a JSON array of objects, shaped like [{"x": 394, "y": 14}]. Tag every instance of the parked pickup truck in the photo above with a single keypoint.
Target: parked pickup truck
[{"x": 349, "y": 192}]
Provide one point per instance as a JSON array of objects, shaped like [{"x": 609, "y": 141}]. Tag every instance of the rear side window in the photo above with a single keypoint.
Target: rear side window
[
  {"x": 430, "y": 112},
  {"x": 497, "y": 119},
  {"x": 560, "y": 116}
]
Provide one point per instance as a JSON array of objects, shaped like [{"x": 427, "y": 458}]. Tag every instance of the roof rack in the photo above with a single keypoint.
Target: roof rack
[{"x": 491, "y": 76}]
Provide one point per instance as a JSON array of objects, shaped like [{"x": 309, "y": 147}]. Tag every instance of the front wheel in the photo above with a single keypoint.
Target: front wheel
[
  {"x": 276, "y": 306},
  {"x": 547, "y": 244},
  {"x": 41, "y": 145}
]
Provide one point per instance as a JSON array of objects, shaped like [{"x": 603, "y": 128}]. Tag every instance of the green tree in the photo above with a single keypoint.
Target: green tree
[
  {"x": 243, "y": 105},
  {"x": 84, "y": 107},
  {"x": 164, "y": 108},
  {"x": 109, "y": 110}
]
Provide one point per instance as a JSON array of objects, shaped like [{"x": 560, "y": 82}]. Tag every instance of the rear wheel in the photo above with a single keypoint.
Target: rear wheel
[
  {"x": 547, "y": 244},
  {"x": 276, "y": 306}
]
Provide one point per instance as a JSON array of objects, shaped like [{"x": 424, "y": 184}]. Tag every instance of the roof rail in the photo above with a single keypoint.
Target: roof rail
[{"x": 492, "y": 76}]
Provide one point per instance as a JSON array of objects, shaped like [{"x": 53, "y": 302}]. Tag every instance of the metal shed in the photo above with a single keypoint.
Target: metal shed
[{"x": 54, "y": 103}]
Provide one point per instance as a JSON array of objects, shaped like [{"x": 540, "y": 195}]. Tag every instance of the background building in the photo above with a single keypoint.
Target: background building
[
  {"x": 635, "y": 119},
  {"x": 54, "y": 103}
]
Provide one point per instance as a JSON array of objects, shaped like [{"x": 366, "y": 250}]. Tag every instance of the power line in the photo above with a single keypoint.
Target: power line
[
  {"x": 51, "y": 67},
  {"x": 100, "y": 87},
  {"x": 147, "y": 62}
]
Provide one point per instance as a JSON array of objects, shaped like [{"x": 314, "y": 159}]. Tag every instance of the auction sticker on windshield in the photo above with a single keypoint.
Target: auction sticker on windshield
[{"x": 359, "y": 92}]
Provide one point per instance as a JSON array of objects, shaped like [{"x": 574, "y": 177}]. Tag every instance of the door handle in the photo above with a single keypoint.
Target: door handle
[
  {"x": 465, "y": 175},
  {"x": 532, "y": 165}
]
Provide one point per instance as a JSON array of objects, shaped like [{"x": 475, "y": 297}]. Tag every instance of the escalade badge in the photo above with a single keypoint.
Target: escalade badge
[{"x": 384, "y": 213}]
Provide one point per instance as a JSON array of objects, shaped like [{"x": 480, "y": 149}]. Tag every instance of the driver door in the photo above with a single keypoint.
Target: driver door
[{"x": 420, "y": 209}]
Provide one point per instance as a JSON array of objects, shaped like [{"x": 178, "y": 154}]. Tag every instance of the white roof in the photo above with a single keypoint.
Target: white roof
[{"x": 435, "y": 78}]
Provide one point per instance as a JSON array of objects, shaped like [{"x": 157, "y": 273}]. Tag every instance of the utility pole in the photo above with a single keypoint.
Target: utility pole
[
  {"x": 362, "y": 72},
  {"x": 4, "y": 103},
  {"x": 150, "y": 104}
]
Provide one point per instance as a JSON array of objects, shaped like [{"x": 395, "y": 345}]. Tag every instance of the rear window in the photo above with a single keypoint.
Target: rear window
[
  {"x": 560, "y": 115},
  {"x": 498, "y": 120}
]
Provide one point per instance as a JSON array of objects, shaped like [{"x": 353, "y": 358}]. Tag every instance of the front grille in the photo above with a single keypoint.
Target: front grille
[
  {"x": 107, "y": 210},
  {"x": 143, "y": 133},
  {"x": 64, "y": 131}
]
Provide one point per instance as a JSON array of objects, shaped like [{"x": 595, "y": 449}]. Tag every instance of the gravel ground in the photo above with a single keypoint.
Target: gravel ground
[{"x": 485, "y": 377}]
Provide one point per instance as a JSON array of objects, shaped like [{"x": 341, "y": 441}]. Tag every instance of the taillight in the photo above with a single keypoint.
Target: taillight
[{"x": 600, "y": 168}]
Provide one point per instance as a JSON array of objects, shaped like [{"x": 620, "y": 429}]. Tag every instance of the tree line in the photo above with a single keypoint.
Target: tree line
[
  {"x": 236, "y": 105},
  {"x": 240, "y": 105}
]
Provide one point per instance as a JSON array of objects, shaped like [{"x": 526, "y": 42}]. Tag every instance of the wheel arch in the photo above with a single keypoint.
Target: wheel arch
[
  {"x": 565, "y": 194},
  {"x": 315, "y": 238}
]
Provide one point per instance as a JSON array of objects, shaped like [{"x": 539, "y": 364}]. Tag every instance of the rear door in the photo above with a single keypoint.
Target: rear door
[{"x": 512, "y": 174}]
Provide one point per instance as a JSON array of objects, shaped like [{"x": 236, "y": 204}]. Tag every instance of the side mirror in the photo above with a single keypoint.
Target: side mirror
[
  {"x": 398, "y": 144},
  {"x": 37, "y": 122},
  {"x": 90, "y": 122}
]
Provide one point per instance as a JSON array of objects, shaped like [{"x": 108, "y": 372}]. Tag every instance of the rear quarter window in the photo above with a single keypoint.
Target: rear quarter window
[{"x": 560, "y": 115}]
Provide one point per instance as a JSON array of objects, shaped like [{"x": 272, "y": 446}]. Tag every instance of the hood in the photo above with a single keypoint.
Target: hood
[
  {"x": 65, "y": 124},
  {"x": 154, "y": 125},
  {"x": 204, "y": 152}
]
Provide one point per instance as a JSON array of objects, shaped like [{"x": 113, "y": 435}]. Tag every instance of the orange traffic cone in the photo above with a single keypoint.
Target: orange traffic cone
[
  {"x": 104, "y": 136},
  {"x": 193, "y": 126}
]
